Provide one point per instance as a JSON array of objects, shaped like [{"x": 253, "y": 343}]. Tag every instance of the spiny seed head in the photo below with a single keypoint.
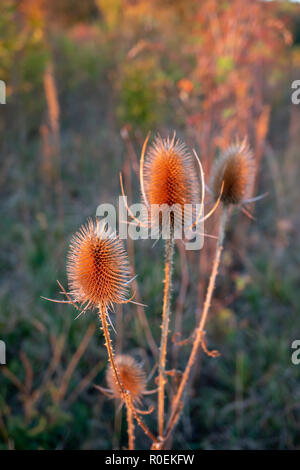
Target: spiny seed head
[
  {"x": 97, "y": 267},
  {"x": 169, "y": 175},
  {"x": 235, "y": 168},
  {"x": 131, "y": 374}
]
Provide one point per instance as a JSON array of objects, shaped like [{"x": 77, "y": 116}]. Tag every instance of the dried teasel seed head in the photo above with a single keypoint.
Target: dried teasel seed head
[
  {"x": 132, "y": 377},
  {"x": 170, "y": 177},
  {"x": 97, "y": 267},
  {"x": 235, "y": 168}
]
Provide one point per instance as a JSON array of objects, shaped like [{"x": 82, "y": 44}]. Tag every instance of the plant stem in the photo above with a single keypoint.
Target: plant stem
[
  {"x": 110, "y": 351},
  {"x": 130, "y": 428},
  {"x": 200, "y": 330},
  {"x": 169, "y": 250},
  {"x": 125, "y": 396},
  {"x": 141, "y": 423}
]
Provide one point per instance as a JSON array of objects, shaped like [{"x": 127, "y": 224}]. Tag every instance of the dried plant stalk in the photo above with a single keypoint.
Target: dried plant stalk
[
  {"x": 52, "y": 101},
  {"x": 130, "y": 428},
  {"x": 180, "y": 302},
  {"x": 164, "y": 334},
  {"x": 53, "y": 116},
  {"x": 110, "y": 353}
]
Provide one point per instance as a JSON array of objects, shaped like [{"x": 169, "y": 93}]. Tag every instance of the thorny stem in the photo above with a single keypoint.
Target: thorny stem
[
  {"x": 169, "y": 250},
  {"x": 110, "y": 350},
  {"x": 176, "y": 404},
  {"x": 140, "y": 421},
  {"x": 125, "y": 396},
  {"x": 130, "y": 428},
  {"x": 180, "y": 302}
]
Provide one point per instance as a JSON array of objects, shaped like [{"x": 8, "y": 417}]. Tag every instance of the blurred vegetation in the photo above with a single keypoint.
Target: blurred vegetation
[{"x": 85, "y": 83}]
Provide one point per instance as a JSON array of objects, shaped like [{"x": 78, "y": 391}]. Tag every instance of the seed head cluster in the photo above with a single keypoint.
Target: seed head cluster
[
  {"x": 97, "y": 267},
  {"x": 234, "y": 168},
  {"x": 132, "y": 377},
  {"x": 169, "y": 175}
]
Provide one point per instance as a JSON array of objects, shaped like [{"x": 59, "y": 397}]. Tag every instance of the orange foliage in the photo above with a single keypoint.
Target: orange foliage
[{"x": 236, "y": 42}]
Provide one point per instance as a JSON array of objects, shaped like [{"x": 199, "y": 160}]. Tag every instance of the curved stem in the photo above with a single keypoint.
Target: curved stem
[
  {"x": 140, "y": 421},
  {"x": 177, "y": 404},
  {"x": 164, "y": 334}
]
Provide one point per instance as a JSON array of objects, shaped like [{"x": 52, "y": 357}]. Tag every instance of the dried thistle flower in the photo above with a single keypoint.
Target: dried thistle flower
[
  {"x": 169, "y": 175},
  {"x": 132, "y": 377},
  {"x": 235, "y": 168},
  {"x": 97, "y": 267}
]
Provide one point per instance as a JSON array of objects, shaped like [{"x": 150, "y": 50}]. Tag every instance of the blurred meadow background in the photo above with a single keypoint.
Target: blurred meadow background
[{"x": 85, "y": 83}]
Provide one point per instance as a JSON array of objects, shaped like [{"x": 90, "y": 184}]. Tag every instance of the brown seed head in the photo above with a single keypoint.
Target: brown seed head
[
  {"x": 97, "y": 267},
  {"x": 169, "y": 174},
  {"x": 170, "y": 177},
  {"x": 235, "y": 168},
  {"x": 132, "y": 377}
]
